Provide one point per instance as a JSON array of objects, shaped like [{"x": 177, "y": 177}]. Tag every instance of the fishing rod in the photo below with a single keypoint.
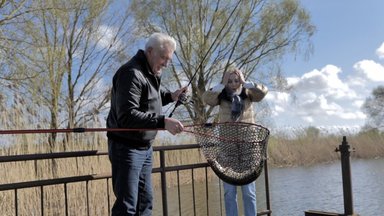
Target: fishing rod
[
  {"x": 183, "y": 98},
  {"x": 83, "y": 130},
  {"x": 75, "y": 130}
]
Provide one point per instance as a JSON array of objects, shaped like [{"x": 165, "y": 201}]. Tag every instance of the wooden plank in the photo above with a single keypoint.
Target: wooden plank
[{"x": 321, "y": 213}]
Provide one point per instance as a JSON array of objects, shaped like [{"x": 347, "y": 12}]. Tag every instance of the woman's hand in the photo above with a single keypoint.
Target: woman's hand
[
  {"x": 241, "y": 76},
  {"x": 226, "y": 78}
]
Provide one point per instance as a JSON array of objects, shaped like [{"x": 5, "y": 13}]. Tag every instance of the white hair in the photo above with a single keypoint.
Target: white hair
[{"x": 160, "y": 41}]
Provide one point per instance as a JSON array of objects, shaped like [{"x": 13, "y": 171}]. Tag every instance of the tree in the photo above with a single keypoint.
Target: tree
[
  {"x": 11, "y": 12},
  {"x": 312, "y": 132},
  {"x": 71, "y": 47},
  {"x": 214, "y": 35},
  {"x": 374, "y": 108},
  {"x": 12, "y": 68}
]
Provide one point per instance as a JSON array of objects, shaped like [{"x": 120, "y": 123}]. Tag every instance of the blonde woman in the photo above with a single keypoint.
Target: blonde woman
[{"x": 235, "y": 96}]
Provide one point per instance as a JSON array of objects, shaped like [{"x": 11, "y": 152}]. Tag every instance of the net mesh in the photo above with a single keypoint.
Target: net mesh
[{"x": 235, "y": 151}]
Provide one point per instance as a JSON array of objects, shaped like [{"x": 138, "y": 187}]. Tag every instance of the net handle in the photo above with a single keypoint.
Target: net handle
[{"x": 187, "y": 128}]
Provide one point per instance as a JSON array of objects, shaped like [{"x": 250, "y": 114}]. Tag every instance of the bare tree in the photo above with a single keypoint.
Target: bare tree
[
  {"x": 10, "y": 10},
  {"x": 374, "y": 108},
  {"x": 72, "y": 46},
  {"x": 11, "y": 13},
  {"x": 213, "y": 35}
]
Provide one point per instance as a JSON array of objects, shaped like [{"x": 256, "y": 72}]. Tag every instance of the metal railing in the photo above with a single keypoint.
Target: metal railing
[
  {"x": 345, "y": 151},
  {"x": 162, "y": 169}
]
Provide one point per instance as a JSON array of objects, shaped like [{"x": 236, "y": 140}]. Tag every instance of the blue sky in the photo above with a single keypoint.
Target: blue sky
[{"x": 346, "y": 64}]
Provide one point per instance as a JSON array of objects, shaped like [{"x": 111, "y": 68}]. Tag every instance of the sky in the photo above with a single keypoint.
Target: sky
[{"x": 347, "y": 63}]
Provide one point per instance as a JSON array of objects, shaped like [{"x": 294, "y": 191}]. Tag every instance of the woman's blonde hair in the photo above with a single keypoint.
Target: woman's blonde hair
[{"x": 230, "y": 70}]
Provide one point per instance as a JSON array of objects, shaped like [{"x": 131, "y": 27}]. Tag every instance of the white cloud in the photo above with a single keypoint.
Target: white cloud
[
  {"x": 322, "y": 97},
  {"x": 279, "y": 99},
  {"x": 106, "y": 38},
  {"x": 292, "y": 80},
  {"x": 308, "y": 119},
  {"x": 279, "y": 109},
  {"x": 312, "y": 81},
  {"x": 279, "y": 102},
  {"x": 357, "y": 82},
  {"x": 358, "y": 103},
  {"x": 282, "y": 96},
  {"x": 326, "y": 81},
  {"x": 380, "y": 51},
  {"x": 353, "y": 115},
  {"x": 372, "y": 70}
]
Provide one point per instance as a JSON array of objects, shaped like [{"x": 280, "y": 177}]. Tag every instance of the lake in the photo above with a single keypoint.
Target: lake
[{"x": 294, "y": 191}]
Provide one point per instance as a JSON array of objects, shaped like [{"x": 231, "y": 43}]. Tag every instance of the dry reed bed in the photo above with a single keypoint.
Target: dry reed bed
[
  {"x": 306, "y": 150},
  {"x": 303, "y": 150},
  {"x": 95, "y": 193}
]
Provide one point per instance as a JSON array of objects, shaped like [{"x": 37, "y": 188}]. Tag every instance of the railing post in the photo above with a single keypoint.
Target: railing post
[
  {"x": 266, "y": 182},
  {"x": 163, "y": 183},
  {"x": 346, "y": 175},
  {"x": 347, "y": 183}
]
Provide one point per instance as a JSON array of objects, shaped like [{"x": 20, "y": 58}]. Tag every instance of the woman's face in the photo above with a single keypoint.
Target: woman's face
[{"x": 233, "y": 82}]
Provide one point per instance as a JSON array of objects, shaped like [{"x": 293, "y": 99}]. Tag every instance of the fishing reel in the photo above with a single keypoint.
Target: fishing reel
[{"x": 184, "y": 99}]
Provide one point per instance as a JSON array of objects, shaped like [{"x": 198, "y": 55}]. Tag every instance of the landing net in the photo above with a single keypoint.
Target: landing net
[{"x": 235, "y": 151}]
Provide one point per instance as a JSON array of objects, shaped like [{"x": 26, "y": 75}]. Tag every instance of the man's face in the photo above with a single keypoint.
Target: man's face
[{"x": 159, "y": 59}]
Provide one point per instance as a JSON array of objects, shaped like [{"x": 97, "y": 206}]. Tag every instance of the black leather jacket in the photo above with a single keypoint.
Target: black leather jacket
[{"x": 136, "y": 102}]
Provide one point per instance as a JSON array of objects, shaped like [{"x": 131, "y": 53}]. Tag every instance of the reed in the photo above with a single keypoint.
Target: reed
[{"x": 305, "y": 147}]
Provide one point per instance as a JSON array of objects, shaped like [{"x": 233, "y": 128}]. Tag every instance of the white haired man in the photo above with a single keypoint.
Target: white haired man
[{"x": 136, "y": 102}]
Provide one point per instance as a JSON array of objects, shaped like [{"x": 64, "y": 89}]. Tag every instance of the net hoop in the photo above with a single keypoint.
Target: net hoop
[{"x": 236, "y": 151}]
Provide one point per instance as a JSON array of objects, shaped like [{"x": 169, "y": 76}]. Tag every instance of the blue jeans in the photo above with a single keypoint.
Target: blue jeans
[
  {"x": 131, "y": 179},
  {"x": 249, "y": 199}
]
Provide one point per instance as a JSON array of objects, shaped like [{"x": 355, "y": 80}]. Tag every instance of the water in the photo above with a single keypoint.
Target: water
[{"x": 296, "y": 190}]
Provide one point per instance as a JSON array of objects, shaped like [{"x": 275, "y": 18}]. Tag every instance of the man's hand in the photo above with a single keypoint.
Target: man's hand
[
  {"x": 175, "y": 95},
  {"x": 174, "y": 126}
]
